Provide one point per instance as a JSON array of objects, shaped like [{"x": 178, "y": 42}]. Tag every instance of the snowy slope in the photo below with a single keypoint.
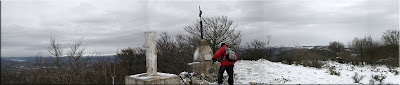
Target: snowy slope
[{"x": 266, "y": 72}]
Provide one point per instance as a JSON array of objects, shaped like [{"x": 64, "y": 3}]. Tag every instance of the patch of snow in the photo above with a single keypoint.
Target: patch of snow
[
  {"x": 193, "y": 63},
  {"x": 165, "y": 74},
  {"x": 140, "y": 76},
  {"x": 196, "y": 54},
  {"x": 144, "y": 76},
  {"x": 266, "y": 72},
  {"x": 182, "y": 74}
]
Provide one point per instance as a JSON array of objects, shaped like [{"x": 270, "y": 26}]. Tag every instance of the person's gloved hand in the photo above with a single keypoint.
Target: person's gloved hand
[{"x": 214, "y": 60}]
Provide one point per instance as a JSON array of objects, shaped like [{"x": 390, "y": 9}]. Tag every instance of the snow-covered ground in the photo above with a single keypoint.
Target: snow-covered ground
[{"x": 266, "y": 72}]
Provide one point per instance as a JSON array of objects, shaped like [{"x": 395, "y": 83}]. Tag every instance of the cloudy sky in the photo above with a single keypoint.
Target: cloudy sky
[{"x": 109, "y": 25}]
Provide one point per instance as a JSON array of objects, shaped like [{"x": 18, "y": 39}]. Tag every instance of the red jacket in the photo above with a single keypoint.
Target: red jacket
[{"x": 221, "y": 52}]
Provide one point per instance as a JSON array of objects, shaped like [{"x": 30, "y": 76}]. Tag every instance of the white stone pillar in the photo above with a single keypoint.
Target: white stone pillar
[{"x": 151, "y": 53}]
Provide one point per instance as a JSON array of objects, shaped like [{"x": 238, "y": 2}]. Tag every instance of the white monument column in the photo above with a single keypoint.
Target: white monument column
[
  {"x": 151, "y": 53},
  {"x": 151, "y": 76}
]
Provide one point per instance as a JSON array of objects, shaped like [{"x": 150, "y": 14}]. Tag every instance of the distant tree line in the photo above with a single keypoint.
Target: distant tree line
[
  {"x": 360, "y": 51},
  {"x": 256, "y": 49},
  {"x": 367, "y": 51}
]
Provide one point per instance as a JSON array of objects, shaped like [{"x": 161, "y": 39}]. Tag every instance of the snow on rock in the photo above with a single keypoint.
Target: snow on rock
[
  {"x": 266, "y": 72},
  {"x": 196, "y": 54},
  {"x": 165, "y": 74},
  {"x": 141, "y": 76},
  {"x": 144, "y": 76},
  {"x": 193, "y": 63}
]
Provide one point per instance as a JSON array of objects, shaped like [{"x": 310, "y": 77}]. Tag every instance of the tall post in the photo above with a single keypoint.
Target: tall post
[
  {"x": 151, "y": 53},
  {"x": 201, "y": 24}
]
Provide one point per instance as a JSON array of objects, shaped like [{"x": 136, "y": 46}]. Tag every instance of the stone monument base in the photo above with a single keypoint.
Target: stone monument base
[
  {"x": 205, "y": 68},
  {"x": 160, "y": 78}
]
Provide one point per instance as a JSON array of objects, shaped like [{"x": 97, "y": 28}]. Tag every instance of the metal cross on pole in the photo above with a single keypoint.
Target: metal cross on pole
[{"x": 201, "y": 24}]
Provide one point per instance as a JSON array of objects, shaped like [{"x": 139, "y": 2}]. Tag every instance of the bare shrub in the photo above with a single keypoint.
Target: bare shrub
[
  {"x": 393, "y": 70},
  {"x": 379, "y": 78},
  {"x": 332, "y": 71},
  {"x": 357, "y": 78},
  {"x": 312, "y": 63},
  {"x": 287, "y": 57},
  {"x": 309, "y": 57}
]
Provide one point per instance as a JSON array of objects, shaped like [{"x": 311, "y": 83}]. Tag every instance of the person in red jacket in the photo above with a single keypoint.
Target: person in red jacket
[{"x": 225, "y": 65}]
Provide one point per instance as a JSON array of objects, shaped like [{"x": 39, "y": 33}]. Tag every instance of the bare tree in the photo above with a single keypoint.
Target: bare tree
[
  {"x": 75, "y": 64},
  {"x": 58, "y": 69},
  {"x": 390, "y": 48},
  {"x": 391, "y": 37},
  {"x": 186, "y": 47},
  {"x": 364, "y": 47},
  {"x": 257, "y": 49},
  {"x": 256, "y": 44},
  {"x": 254, "y": 50},
  {"x": 129, "y": 61},
  {"x": 55, "y": 72},
  {"x": 55, "y": 50},
  {"x": 174, "y": 53},
  {"x": 335, "y": 48},
  {"x": 216, "y": 31}
]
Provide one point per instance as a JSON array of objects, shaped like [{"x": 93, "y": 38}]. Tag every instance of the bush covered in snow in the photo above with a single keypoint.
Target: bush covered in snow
[
  {"x": 333, "y": 71},
  {"x": 393, "y": 70},
  {"x": 314, "y": 63},
  {"x": 357, "y": 78},
  {"x": 377, "y": 78}
]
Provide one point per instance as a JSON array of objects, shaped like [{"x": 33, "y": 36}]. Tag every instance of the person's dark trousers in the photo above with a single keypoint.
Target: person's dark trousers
[{"x": 229, "y": 70}]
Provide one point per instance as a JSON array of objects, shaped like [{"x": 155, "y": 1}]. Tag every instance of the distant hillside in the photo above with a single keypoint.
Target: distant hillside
[{"x": 32, "y": 59}]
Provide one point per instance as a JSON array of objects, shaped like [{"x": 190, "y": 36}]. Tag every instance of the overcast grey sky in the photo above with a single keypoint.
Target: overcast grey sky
[{"x": 109, "y": 25}]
